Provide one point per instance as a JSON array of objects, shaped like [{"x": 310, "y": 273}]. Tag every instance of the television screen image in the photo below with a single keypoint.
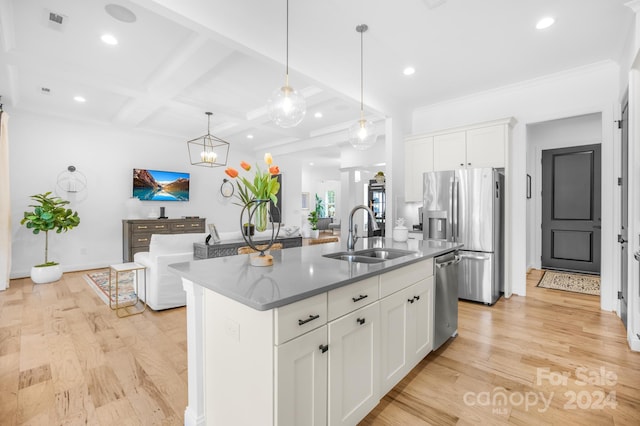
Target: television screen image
[{"x": 158, "y": 185}]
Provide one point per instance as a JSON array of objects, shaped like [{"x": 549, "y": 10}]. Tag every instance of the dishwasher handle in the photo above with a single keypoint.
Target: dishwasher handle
[
  {"x": 454, "y": 261},
  {"x": 475, "y": 257}
]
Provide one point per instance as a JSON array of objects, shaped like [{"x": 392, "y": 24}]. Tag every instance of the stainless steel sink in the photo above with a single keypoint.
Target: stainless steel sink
[{"x": 372, "y": 255}]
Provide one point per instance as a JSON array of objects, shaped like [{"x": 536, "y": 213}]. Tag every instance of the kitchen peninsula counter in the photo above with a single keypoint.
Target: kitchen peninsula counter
[
  {"x": 299, "y": 272},
  {"x": 308, "y": 340}
]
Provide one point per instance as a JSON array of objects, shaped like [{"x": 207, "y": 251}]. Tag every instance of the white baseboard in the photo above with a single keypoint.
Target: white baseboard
[{"x": 66, "y": 268}]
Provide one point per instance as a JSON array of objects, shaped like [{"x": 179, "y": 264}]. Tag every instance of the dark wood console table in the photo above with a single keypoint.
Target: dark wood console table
[
  {"x": 136, "y": 233},
  {"x": 230, "y": 247}
]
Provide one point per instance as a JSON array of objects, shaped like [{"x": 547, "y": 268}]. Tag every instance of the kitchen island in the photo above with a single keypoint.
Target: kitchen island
[{"x": 309, "y": 340}]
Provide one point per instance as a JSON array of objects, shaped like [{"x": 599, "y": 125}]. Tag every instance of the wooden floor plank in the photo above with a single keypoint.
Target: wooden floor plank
[{"x": 66, "y": 358}]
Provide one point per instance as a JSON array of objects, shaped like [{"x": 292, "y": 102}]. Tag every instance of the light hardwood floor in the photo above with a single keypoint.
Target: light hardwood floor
[{"x": 65, "y": 358}]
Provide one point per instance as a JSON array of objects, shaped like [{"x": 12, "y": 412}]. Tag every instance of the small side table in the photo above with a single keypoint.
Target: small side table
[{"x": 114, "y": 298}]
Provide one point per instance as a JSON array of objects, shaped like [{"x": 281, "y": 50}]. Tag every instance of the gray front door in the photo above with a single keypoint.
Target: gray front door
[
  {"x": 624, "y": 204},
  {"x": 571, "y": 209}
]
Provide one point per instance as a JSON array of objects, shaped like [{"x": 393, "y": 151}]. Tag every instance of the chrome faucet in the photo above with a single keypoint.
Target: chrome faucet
[{"x": 351, "y": 240}]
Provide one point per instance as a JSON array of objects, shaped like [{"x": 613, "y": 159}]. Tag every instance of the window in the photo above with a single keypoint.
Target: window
[{"x": 331, "y": 203}]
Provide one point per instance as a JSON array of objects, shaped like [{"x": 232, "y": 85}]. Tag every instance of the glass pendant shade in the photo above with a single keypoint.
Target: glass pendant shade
[
  {"x": 362, "y": 134},
  {"x": 286, "y": 107},
  {"x": 208, "y": 150}
]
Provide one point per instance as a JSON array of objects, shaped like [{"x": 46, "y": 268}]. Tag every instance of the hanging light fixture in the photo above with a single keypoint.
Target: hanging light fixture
[
  {"x": 362, "y": 134},
  {"x": 286, "y": 106},
  {"x": 208, "y": 150}
]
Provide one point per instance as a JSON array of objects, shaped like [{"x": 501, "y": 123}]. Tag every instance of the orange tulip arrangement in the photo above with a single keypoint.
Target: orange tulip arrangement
[{"x": 263, "y": 187}]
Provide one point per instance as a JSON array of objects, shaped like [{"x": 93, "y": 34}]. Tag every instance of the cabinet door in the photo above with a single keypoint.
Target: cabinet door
[
  {"x": 394, "y": 332},
  {"x": 418, "y": 160},
  {"x": 449, "y": 151},
  {"x": 421, "y": 317},
  {"x": 301, "y": 380},
  {"x": 485, "y": 146},
  {"x": 354, "y": 369}
]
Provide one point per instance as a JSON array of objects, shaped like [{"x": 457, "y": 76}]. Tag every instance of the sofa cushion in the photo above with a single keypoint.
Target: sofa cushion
[{"x": 174, "y": 243}]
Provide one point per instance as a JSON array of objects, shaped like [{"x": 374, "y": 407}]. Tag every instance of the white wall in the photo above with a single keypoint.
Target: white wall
[
  {"x": 591, "y": 89},
  {"x": 41, "y": 147}
]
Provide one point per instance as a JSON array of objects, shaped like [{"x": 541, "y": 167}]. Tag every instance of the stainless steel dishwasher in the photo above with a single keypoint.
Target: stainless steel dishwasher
[{"x": 446, "y": 309}]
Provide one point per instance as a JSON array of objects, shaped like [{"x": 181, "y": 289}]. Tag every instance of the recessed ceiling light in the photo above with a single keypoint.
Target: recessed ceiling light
[
  {"x": 545, "y": 22},
  {"x": 79, "y": 99},
  {"x": 318, "y": 115},
  {"x": 109, "y": 39},
  {"x": 409, "y": 71},
  {"x": 249, "y": 136},
  {"x": 120, "y": 13},
  {"x": 311, "y": 164}
]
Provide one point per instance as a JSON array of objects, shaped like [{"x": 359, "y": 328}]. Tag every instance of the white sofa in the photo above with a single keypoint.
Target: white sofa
[{"x": 164, "y": 288}]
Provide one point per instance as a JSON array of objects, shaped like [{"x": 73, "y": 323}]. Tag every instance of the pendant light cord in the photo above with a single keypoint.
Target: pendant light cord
[
  {"x": 287, "y": 47},
  {"x": 361, "y": 73}
]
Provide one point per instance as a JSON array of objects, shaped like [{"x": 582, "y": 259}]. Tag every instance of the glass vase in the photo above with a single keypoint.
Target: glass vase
[{"x": 261, "y": 219}]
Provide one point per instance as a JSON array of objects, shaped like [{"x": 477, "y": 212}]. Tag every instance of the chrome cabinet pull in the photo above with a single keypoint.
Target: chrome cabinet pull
[
  {"x": 359, "y": 298},
  {"x": 311, "y": 318}
]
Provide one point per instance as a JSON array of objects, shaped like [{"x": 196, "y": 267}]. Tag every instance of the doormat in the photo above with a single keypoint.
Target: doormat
[
  {"x": 577, "y": 283},
  {"x": 99, "y": 282}
]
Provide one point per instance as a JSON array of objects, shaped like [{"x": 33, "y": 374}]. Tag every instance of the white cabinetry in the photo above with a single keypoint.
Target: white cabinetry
[
  {"x": 479, "y": 145},
  {"x": 354, "y": 344},
  {"x": 449, "y": 151},
  {"x": 301, "y": 380},
  {"x": 406, "y": 319},
  {"x": 312, "y": 362},
  {"x": 486, "y": 146},
  {"x": 418, "y": 159}
]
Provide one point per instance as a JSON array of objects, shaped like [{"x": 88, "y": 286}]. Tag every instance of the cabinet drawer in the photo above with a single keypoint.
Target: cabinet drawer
[
  {"x": 150, "y": 227},
  {"x": 345, "y": 299},
  {"x": 140, "y": 240},
  {"x": 187, "y": 227},
  {"x": 401, "y": 278},
  {"x": 299, "y": 317}
]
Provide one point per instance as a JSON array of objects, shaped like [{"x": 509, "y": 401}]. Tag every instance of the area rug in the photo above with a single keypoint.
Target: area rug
[
  {"x": 99, "y": 282},
  {"x": 577, "y": 283}
]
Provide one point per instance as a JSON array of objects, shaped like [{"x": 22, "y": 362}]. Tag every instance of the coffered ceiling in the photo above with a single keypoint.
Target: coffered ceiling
[{"x": 181, "y": 58}]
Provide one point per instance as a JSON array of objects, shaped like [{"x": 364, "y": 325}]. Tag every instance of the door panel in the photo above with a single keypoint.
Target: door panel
[
  {"x": 476, "y": 209},
  {"x": 571, "y": 209},
  {"x": 572, "y": 245},
  {"x": 624, "y": 206}
]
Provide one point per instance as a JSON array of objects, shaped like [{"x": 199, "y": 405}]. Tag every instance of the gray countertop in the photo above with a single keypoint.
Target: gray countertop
[{"x": 298, "y": 273}]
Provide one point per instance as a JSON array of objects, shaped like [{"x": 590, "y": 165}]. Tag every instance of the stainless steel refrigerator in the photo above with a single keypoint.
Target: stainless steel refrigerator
[{"x": 466, "y": 206}]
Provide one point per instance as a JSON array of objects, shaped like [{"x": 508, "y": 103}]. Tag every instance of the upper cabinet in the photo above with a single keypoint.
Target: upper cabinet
[
  {"x": 486, "y": 146},
  {"x": 479, "y": 145},
  {"x": 482, "y": 147}
]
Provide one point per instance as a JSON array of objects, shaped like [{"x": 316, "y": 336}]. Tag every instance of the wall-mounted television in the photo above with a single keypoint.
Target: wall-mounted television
[{"x": 158, "y": 185}]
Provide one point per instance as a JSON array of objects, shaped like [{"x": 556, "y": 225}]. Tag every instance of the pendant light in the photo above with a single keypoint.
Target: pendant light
[
  {"x": 208, "y": 150},
  {"x": 286, "y": 106},
  {"x": 362, "y": 133}
]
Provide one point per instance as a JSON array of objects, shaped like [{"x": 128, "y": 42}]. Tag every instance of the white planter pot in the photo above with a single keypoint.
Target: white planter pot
[
  {"x": 45, "y": 274},
  {"x": 315, "y": 233}
]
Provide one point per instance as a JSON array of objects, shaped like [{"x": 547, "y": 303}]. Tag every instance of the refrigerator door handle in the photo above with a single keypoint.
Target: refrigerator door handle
[
  {"x": 474, "y": 257},
  {"x": 454, "y": 210}
]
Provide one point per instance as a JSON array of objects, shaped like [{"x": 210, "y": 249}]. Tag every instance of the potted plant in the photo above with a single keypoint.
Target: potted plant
[
  {"x": 379, "y": 177},
  {"x": 313, "y": 221},
  {"x": 248, "y": 229},
  {"x": 48, "y": 214}
]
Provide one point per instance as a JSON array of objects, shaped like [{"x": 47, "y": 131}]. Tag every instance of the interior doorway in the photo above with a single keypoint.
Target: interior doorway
[
  {"x": 623, "y": 236},
  {"x": 571, "y": 214}
]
